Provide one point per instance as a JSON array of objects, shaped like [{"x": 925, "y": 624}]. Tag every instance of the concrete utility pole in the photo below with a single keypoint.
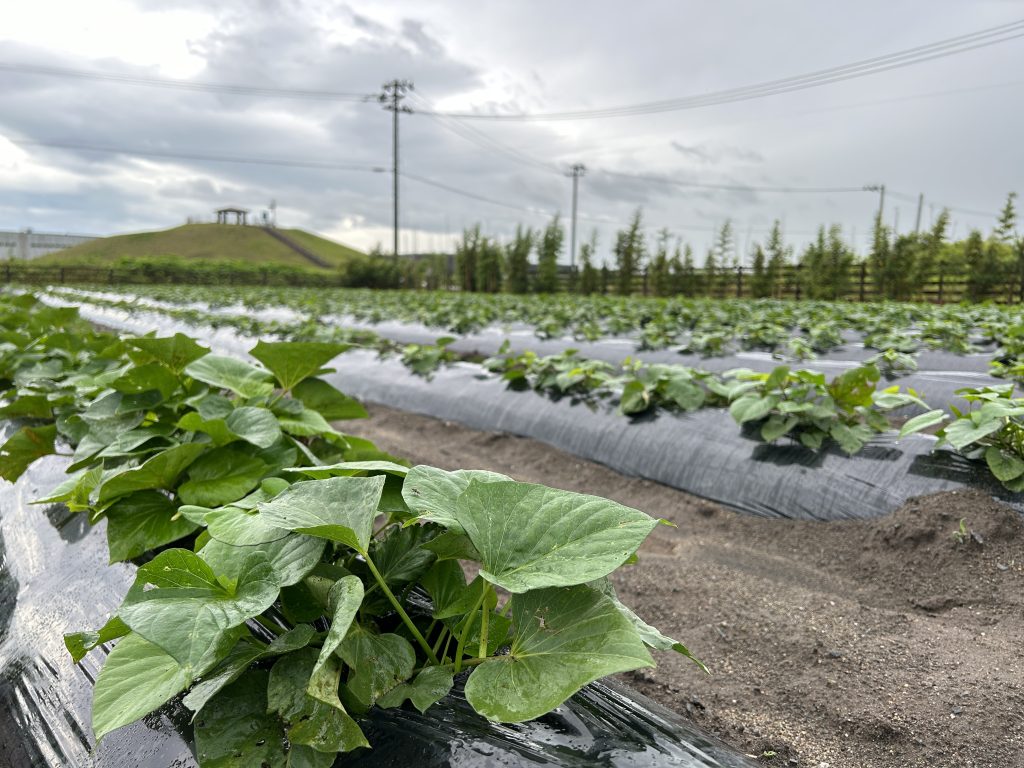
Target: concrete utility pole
[
  {"x": 920, "y": 205},
  {"x": 880, "y": 188},
  {"x": 391, "y": 97},
  {"x": 575, "y": 171}
]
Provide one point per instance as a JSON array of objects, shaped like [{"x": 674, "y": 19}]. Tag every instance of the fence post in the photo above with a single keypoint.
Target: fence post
[
  {"x": 863, "y": 277},
  {"x": 796, "y": 278}
]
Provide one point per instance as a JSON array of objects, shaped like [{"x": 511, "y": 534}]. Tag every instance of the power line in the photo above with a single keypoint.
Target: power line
[
  {"x": 733, "y": 187},
  {"x": 862, "y": 68},
  {"x": 290, "y": 163},
  {"x": 474, "y": 196},
  {"x": 185, "y": 85}
]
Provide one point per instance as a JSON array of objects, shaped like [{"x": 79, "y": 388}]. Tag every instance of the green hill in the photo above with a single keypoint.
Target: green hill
[{"x": 209, "y": 243}]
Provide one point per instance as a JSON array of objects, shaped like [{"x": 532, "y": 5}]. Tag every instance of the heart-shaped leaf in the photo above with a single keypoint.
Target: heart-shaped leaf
[{"x": 431, "y": 492}]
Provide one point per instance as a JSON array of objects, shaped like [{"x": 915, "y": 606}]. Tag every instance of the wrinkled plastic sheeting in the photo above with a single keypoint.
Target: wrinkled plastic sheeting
[
  {"x": 55, "y": 579},
  {"x": 603, "y": 726},
  {"x": 704, "y": 453},
  {"x": 938, "y": 377}
]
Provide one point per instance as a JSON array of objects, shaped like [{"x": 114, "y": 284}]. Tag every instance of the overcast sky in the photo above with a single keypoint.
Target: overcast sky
[{"x": 949, "y": 128}]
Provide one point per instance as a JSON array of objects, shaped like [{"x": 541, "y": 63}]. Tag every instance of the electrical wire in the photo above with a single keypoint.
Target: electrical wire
[
  {"x": 185, "y": 85},
  {"x": 286, "y": 162},
  {"x": 857, "y": 69}
]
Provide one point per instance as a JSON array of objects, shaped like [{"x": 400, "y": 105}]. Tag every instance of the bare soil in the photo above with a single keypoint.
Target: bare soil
[{"x": 887, "y": 642}]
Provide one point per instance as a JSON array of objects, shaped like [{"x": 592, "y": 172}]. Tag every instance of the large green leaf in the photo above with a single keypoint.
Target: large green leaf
[
  {"x": 230, "y": 373},
  {"x": 144, "y": 378},
  {"x": 254, "y": 425},
  {"x": 324, "y": 727},
  {"x": 141, "y": 522},
  {"x": 236, "y": 731},
  {"x": 175, "y": 352},
  {"x": 246, "y": 652},
  {"x": 378, "y": 663},
  {"x": 159, "y": 472},
  {"x": 291, "y": 557},
  {"x": 240, "y": 528},
  {"x": 531, "y": 536},
  {"x": 136, "y": 678},
  {"x": 341, "y": 509},
  {"x": 431, "y": 492},
  {"x": 564, "y": 639},
  {"x": 221, "y": 476},
  {"x": 293, "y": 361},
  {"x": 198, "y": 624},
  {"x": 426, "y": 689},
  {"x": 80, "y": 643},
  {"x": 344, "y": 598},
  {"x": 23, "y": 447},
  {"x": 350, "y": 469},
  {"x": 963, "y": 432},
  {"x": 1004, "y": 465},
  {"x": 332, "y": 404}
]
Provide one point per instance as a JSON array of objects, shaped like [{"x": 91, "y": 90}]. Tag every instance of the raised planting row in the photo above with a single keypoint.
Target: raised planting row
[
  {"x": 288, "y": 563},
  {"x": 802, "y": 405},
  {"x": 700, "y": 326}
]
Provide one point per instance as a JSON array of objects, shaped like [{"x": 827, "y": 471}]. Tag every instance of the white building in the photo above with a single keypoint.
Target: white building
[{"x": 29, "y": 245}]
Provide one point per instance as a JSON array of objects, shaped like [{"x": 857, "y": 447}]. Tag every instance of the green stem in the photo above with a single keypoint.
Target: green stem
[
  {"x": 484, "y": 615},
  {"x": 401, "y": 611},
  {"x": 444, "y": 633},
  {"x": 464, "y": 635},
  {"x": 268, "y": 624}
]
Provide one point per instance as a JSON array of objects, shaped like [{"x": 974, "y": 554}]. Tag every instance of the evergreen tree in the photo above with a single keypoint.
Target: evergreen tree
[
  {"x": 629, "y": 254},
  {"x": 760, "y": 287},
  {"x": 725, "y": 257},
  {"x": 778, "y": 259},
  {"x": 675, "y": 270},
  {"x": 982, "y": 269},
  {"x": 689, "y": 281},
  {"x": 467, "y": 254},
  {"x": 489, "y": 266},
  {"x": 711, "y": 276},
  {"x": 517, "y": 254},
  {"x": 1006, "y": 229},
  {"x": 606, "y": 279},
  {"x": 549, "y": 248},
  {"x": 660, "y": 275},
  {"x": 879, "y": 258},
  {"x": 589, "y": 279}
]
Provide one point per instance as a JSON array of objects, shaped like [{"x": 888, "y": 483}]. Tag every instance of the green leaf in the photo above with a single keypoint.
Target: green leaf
[
  {"x": 351, "y": 468},
  {"x": 236, "y": 731},
  {"x": 445, "y": 582},
  {"x": 230, "y": 373},
  {"x": 776, "y": 426},
  {"x": 239, "y": 528},
  {"x": 752, "y": 408},
  {"x": 141, "y": 522},
  {"x": 80, "y": 643},
  {"x": 175, "y": 352},
  {"x": 400, "y": 556},
  {"x": 199, "y": 623},
  {"x": 341, "y": 509},
  {"x": 221, "y": 476},
  {"x": 452, "y": 546},
  {"x": 850, "y": 438},
  {"x": 923, "y": 421},
  {"x": 159, "y": 472},
  {"x": 293, "y": 361},
  {"x": 23, "y": 447},
  {"x": 378, "y": 663},
  {"x": 145, "y": 378},
  {"x": 291, "y": 557},
  {"x": 345, "y": 598},
  {"x": 242, "y": 656},
  {"x": 531, "y": 536},
  {"x": 431, "y": 492},
  {"x": 1005, "y": 466},
  {"x": 136, "y": 678},
  {"x": 28, "y": 407},
  {"x": 323, "y": 727},
  {"x": 306, "y": 424},
  {"x": 254, "y": 425},
  {"x": 963, "y": 432},
  {"x": 635, "y": 398},
  {"x": 564, "y": 639},
  {"x": 332, "y": 404},
  {"x": 426, "y": 689},
  {"x": 686, "y": 394}
]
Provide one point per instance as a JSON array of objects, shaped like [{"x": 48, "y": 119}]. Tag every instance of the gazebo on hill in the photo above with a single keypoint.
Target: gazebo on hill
[{"x": 238, "y": 213}]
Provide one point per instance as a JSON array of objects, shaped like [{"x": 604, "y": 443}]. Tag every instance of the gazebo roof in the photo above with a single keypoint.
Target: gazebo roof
[{"x": 232, "y": 210}]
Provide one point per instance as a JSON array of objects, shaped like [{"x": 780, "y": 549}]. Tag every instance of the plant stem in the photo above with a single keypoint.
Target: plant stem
[
  {"x": 470, "y": 620},
  {"x": 401, "y": 611},
  {"x": 269, "y": 625},
  {"x": 484, "y": 615}
]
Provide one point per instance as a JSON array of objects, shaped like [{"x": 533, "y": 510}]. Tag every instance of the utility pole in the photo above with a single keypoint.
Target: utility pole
[
  {"x": 391, "y": 97},
  {"x": 920, "y": 205},
  {"x": 575, "y": 171},
  {"x": 880, "y": 188}
]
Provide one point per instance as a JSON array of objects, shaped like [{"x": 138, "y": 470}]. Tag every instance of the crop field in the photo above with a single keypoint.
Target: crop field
[{"x": 347, "y": 502}]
